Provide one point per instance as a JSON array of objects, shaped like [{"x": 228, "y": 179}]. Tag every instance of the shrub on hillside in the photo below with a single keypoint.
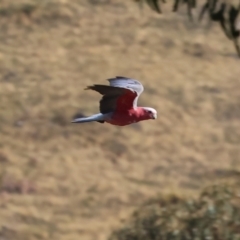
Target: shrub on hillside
[{"x": 214, "y": 215}]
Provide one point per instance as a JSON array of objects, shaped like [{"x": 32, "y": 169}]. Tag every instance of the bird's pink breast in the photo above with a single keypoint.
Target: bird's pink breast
[{"x": 124, "y": 118}]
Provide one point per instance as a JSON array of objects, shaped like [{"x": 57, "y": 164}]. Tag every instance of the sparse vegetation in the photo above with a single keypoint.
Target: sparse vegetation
[
  {"x": 215, "y": 215},
  {"x": 226, "y": 13}
]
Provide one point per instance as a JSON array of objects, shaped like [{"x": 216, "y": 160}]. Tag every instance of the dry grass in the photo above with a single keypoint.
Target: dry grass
[{"x": 64, "y": 181}]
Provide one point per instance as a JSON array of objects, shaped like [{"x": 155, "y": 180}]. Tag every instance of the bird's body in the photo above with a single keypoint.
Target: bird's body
[
  {"x": 128, "y": 117},
  {"x": 118, "y": 105}
]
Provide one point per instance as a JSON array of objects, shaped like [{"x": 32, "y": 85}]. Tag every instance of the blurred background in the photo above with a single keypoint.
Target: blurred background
[{"x": 67, "y": 181}]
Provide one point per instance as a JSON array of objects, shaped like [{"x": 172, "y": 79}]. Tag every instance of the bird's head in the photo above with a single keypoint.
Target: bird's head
[{"x": 150, "y": 112}]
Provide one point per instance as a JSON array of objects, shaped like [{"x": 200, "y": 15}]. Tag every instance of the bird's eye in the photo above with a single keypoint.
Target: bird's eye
[{"x": 149, "y": 111}]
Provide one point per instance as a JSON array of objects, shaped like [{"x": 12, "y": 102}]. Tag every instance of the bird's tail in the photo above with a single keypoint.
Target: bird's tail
[{"x": 97, "y": 117}]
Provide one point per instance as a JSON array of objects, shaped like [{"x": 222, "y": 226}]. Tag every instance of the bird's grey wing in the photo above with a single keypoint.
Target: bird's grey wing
[
  {"x": 128, "y": 83},
  {"x": 125, "y": 82},
  {"x": 110, "y": 96}
]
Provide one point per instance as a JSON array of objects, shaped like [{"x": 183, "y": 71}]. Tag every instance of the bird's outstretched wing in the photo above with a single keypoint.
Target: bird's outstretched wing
[{"x": 121, "y": 95}]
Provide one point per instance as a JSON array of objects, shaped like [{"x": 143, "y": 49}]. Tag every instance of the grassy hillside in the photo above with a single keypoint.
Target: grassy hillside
[{"x": 66, "y": 181}]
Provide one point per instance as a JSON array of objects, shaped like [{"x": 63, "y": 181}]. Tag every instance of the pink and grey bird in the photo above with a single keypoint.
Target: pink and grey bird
[{"x": 118, "y": 105}]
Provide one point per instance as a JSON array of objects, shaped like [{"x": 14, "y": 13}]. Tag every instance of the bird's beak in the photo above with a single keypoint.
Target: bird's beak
[{"x": 154, "y": 116}]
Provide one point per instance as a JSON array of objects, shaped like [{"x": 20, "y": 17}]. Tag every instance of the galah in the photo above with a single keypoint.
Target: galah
[{"x": 118, "y": 105}]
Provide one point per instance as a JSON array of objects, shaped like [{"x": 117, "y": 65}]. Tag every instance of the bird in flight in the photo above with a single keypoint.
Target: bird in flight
[{"x": 118, "y": 105}]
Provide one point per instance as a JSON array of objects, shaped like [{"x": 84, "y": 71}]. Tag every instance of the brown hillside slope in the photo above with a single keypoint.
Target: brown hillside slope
[{"x": 66, "y": 181}]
